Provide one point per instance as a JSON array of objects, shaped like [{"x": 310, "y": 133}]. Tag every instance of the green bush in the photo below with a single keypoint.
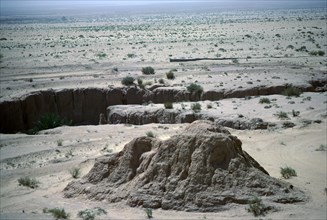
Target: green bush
[
  {"x": 287, "y": 172},
  {"x": 264, "y": 101},
  {"x": 148, "y": 70},
  {"x": 322, "y": 147},
  {"x": 290, "y": 47},
  {"x": 170, "y": 75},
  {"x": 292, "y": 91},
  {"x": 168, "y": 105},
  {"x": 69, "y": 153},
  {"x": 317, "y": 53},
  {"x": 59, "y": 142},
  {"x": 194, "y": 88},
  {"x": 303, "y": 49},
  {"x": 295, "y": 113},
  {"x": 235, "y": 61},
  {"x": 101, "y": 55},
  {"x": 257, "y": 207},
  {"x": 131, "y": 55},
  {"x": 128, "y": 81},
  {"x": 150, "y": 134},
  {"x": 86, "y": 214},
  {"x": 75, "y": 172},
  {"x": 89, "y": 214},
  {"x": 139, "y": 81},
  {"x": 48, "y": 121},
  {"x": 148, "y": 212},
  {"x": 196, "y": 107},
  {"x": 282, "y": 115},
  {"x": 161, "y": 81},
  {"x": 28, "y": 182},
  {"x": 57, "y": 213}
]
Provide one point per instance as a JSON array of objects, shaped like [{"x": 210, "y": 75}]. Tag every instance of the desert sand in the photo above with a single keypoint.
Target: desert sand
[{"x": 268, "y": 47}]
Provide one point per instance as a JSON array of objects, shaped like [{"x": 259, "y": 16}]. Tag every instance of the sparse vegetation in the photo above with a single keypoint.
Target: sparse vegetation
[
  {"x": 148, "y": 70},
  {"x": 75, "y": 172},
  {"x": 302, "y": 49},
  {"x": 101, "y": 55},
  {"x": 168, "y": 105},
  {"x": 292, "y": 91},
  {"x": 317, "y": 53},
  {"x": 28, "y": 182},
  {"x": 59, "y": 142},
  {"x": 288, "y": 124},
  {"x": 128, "y": 81},
  {"x": 235, "y": 61},
  {"x": 148, "y": 212},
  {"x": 307, "y": 98},
  {"x": 287, "y": 172},
  {"x": 69, "y": 153},
  {"x": 89, "y": 214},
  {"x": 209, "y": 106},
  {"x": 295, "y": 113},
  {"x": 257, "y": 207},
  {"x": 282, "y": 115},
  {"x": 150, "y": 134},
  {"x": 161, "y": 81},
  {"x": 131, "y": 55},
  {"x": 290, "y": 47},
  {"x": 48, "y": 121},
  {"x": 194, "y": 88},
  {"x": 140, "y": 83},
  {"x": 322, "y": 147},
  {"x": 170, "y": 75},
  {"x": 196, "y": 107},
  {"x": 264, "y": 100},
  {"x": 58, "y": 213}
]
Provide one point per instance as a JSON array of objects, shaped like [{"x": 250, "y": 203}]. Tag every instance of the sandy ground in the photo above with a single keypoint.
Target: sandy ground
[
  {"x": 43, "y": 55},
  {"x": 84, "y": 53},
  {"x": 40, "y": 156}
]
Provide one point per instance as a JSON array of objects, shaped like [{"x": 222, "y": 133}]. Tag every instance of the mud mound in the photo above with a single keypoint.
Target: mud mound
[
  {"x": 201, "y": 169},
  {"x": 139, "y": 115}
]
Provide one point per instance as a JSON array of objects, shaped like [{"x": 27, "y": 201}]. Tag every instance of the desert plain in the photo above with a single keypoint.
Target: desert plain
[{"x": 254, "y": 56}]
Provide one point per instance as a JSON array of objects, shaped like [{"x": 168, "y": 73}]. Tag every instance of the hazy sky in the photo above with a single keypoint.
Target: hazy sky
[
  {"x": 17, "y": 7},
  {"x": 18, "y": 3}
]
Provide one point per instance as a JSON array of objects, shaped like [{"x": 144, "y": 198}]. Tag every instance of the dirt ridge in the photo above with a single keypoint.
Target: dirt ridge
[{"x": 84, "y": 105}]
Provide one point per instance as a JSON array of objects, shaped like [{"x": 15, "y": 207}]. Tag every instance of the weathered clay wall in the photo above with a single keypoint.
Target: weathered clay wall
[{"x": 83, "y": 105}]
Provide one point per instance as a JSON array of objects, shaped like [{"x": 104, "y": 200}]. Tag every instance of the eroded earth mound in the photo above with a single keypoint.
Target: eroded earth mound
[{"x": 202, "y": 169}]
